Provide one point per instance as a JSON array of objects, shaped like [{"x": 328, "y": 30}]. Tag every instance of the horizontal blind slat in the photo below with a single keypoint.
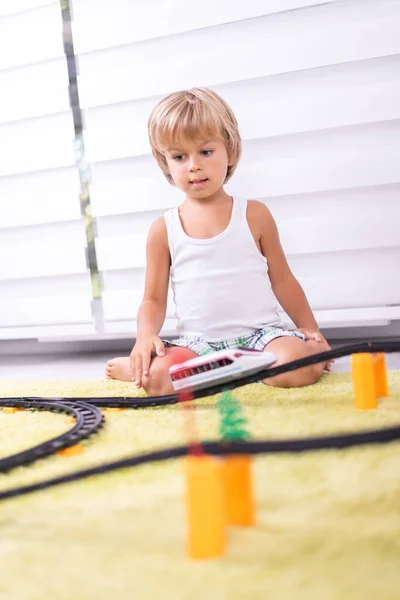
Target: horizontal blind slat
[
  {"x": 339, "y": 32},
  {"x": 120, "y": 22},
  {"x": 31, "y": 36}
]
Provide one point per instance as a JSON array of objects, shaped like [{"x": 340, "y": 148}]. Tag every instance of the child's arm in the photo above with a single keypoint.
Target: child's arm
[
  {"x": 152, "y": 310},
  {"x": 285, "y": 286}
]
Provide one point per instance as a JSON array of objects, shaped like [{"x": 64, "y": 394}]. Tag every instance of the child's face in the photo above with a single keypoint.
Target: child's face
[{"x": 198, "y": 168}]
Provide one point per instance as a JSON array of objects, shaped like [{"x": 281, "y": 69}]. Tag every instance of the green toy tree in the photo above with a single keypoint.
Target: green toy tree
[{"x": 232, "y": 426}]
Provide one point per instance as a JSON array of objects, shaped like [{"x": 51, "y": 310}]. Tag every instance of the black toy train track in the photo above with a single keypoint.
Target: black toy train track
[
  {"x": 340, "y": 441},
  {"x": 88, "y": 420}
]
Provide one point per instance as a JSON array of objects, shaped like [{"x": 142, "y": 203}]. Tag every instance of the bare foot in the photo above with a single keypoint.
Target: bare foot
[{"x": 118, "y": 368}]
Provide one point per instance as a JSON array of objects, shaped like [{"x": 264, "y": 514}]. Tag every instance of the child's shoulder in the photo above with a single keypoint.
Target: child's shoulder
[
  {"x": 258, "y": 212},
  {"x": 158, "y": 230}
]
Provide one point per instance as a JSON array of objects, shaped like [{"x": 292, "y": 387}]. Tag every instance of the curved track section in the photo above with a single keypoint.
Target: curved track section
[{"x": 88, "y": 420}]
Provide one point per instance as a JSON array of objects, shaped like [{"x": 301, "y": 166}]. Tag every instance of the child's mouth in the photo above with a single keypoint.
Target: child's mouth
[{"x": 199, "y": 183}]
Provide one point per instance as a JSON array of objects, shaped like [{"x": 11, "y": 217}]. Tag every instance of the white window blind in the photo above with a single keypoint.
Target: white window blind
[
  {"x": 45, "y": 287},
  {"x": 315, "y": 88}
]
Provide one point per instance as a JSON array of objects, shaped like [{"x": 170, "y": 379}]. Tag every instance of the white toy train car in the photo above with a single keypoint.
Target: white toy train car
[{"x": 218, "y": 367}]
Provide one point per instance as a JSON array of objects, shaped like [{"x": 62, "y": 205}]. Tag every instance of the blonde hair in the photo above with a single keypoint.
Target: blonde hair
[{"x": 193, "y": 114}]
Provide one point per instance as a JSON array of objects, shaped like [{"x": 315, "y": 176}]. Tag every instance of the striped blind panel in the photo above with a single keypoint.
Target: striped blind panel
[
  {"x": 316, "y": 91},
  {"x": 45, "y": 287}
]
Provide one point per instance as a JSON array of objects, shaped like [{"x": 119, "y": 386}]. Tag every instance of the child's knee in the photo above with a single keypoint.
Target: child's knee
[
  {"x": 158, "y": 382},
  {"x": 292, "y": 349},
  {"x": 296, "y": 378}
]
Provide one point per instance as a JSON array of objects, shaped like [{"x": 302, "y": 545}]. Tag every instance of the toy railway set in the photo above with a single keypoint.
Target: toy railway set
[{"x": 88, "y": 419}]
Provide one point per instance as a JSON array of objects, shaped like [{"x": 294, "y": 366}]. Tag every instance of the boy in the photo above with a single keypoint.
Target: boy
[{"x": 223, "y": 256}]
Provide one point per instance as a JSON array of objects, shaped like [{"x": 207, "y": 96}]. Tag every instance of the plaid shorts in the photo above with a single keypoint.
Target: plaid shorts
[{"x": 254, "y": 341}]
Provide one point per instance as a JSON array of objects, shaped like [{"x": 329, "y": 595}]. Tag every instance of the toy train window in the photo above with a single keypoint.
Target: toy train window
[{"x": 188, "y": 372}]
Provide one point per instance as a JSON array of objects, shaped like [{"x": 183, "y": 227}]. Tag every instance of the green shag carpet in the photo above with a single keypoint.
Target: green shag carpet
[{"x": 328, "y": 523}]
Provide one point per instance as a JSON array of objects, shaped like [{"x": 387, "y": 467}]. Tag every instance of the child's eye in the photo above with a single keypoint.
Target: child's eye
[
  {"x": 206, "y": 152},
  {"x": 178, "y": 157}
]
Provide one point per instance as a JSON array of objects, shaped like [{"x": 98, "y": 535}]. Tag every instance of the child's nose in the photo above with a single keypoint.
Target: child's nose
[{"x": 195, "y": 163}]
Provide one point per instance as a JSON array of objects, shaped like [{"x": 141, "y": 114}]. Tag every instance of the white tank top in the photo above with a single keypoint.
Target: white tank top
[{"x": 220, "y": 285}]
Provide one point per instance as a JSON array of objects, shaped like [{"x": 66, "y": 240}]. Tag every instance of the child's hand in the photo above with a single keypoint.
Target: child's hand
[
  {"x": 318, "y": 337},
  {"x": 140, "y": 357},
  {"x": 312, "y": 334}
]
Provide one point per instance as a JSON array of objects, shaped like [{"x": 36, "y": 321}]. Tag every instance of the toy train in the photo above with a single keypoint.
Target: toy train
[{"x": 218, "y": 367}]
